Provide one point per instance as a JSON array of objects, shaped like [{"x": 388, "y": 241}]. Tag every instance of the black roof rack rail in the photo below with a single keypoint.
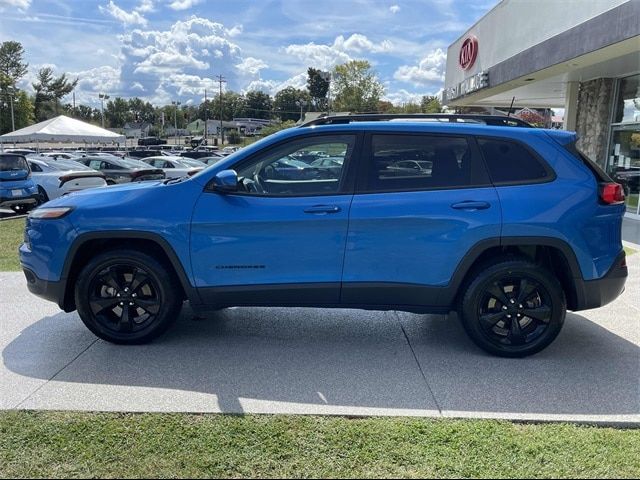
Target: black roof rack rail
[{"x": 494, "y": 120}]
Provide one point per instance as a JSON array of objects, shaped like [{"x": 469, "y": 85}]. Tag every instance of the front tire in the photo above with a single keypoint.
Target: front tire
[
  {"x": 513, "y": 307},
  {"x": 127, "y": 297}
]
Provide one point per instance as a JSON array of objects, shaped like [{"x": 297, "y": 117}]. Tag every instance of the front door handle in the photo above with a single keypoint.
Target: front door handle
[
  {"x": 322, "y": 209},
  {"x": 470, "y": 205}
]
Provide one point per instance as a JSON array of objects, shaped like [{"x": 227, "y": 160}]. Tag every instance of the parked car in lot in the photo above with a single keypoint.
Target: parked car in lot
[
  {"x": 58, "y": 155},
  {"x": 55, "y": 178},
  {"x": 212, "y": 159},
  {"x": 17, "y": 189},
  {"x": 123, "y": 170},
  {"x": 174, "y": 167},
  {"x": 511, "y": 227}
]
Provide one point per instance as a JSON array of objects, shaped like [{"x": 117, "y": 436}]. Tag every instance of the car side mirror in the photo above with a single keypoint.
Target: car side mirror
[{"x": 225, "y": 181}]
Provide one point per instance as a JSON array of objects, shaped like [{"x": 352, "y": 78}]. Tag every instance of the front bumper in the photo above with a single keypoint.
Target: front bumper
[
  {"x": 600, "y": 292},
  {"x": 52, "y": 291}
]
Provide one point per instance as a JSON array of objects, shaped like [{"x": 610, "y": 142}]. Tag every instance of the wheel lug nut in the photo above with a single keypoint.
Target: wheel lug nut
[
  {"x": 508, "y": 316},
  {"x": 131, "y": 303},
  {"x": 520, "y": 306},
  {"x": 513, "y": 301},
  {"x": 134, "y": 295},
  {"x": 504, "y": 307}
]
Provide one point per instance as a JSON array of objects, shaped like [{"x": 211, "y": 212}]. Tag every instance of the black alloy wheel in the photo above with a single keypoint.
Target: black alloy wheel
[
  {"x": 127, "y": 297},
  {"x": 513, "y": 308}
]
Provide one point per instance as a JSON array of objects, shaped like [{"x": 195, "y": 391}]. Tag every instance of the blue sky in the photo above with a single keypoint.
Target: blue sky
[{"x": 164, "y": 50}]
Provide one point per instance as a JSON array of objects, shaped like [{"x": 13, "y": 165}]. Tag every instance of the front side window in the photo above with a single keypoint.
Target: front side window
[
  {"x": 419, "y": 162},
  {"x": 510, "y": 162},
  {"x": 293, "y": 168}
]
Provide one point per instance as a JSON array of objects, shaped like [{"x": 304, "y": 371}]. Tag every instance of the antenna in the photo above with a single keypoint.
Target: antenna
[{"x": 511, "y": 106}]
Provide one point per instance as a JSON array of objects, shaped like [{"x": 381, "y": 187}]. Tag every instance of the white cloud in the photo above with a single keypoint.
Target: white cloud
[
  {"x": 429, "y": 71},
  {"x": 328, "y": 56},
  {"x": 145, "y": 6},
  {"x": 273, "y": 86},
  {"x": 394, "y": 9},
  {"x": 183, "y": 60},
  {"x": 183, "y": 4},
  {"x": 251, "y": 66},
  {"x": 97, "y": 80},
  {"x": 128, "y": 18},
  {"x": 21, "y": 5}
]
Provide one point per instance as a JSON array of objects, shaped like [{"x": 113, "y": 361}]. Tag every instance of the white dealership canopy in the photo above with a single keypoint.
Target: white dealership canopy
[{"x": 62, "y": 129}]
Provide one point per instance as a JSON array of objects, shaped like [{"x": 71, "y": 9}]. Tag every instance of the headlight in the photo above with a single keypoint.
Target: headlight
[{"x": 49, "y": 213}]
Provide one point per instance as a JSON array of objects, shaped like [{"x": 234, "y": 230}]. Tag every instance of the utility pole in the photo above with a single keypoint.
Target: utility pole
[
  {"x": 175, "y": 121},
  {"x": 205, "y": 115},
  {"x": 103, "y": 97},
  {"x": 221, "y": 80},
  {"x": 13, "y": 119}
]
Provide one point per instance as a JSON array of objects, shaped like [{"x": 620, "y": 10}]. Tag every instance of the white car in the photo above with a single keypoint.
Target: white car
[
  {"x": 59, "y": 177},
  {"x": 174, "y": 167}
]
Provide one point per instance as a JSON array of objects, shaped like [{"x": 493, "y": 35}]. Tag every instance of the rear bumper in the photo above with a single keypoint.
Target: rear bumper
[
  {"x": 52, "y": 291},
  {"x": 600, "y": 292},
  {"x": 10, "y": 202}
]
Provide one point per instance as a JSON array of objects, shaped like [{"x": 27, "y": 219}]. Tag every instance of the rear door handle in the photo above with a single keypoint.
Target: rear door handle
[
  {"x": 322, "y": 209},
  {"x": 470, "y": 205}
]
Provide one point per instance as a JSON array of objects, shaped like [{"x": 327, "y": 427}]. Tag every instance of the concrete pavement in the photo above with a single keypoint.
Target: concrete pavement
[{"x": 313, "y": 361}]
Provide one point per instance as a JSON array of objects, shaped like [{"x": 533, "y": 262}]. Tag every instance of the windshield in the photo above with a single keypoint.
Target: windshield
[{"x": 13, "y": 162}]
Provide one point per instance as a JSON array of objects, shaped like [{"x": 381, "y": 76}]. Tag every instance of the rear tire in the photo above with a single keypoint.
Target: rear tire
[
  {"x": 512, "y": 307},
  {"x": 127, "y": 297}
]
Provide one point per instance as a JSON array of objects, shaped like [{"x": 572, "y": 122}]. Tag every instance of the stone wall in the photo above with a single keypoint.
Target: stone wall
[{"x": 593, "y": 115}]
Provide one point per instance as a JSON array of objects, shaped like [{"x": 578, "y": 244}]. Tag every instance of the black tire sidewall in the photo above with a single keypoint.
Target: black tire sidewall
[
  {"x": 163, "y": 278},
  {"x": 476, "y": 289}
]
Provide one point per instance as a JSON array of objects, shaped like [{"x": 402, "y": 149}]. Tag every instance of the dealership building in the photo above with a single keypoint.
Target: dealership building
[{"x": 579, "y": 55}]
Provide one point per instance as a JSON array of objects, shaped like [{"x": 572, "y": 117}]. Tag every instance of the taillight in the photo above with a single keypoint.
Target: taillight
[{"x": 611, "y": 193}]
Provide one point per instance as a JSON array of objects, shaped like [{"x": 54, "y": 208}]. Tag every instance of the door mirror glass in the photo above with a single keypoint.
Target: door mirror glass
[{"x": 225, "y": 181}]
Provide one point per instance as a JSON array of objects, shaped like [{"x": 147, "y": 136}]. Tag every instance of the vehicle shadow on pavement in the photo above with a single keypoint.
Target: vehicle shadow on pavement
[{"x": 324, "y": 361}]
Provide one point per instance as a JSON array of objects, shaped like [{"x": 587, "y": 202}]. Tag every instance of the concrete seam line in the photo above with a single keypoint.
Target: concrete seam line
[
  {"x": 54, "y": 375},
  {"x": 415, "y": 357}
]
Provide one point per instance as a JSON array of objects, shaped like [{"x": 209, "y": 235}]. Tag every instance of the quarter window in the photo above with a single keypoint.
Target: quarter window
[
  {"x": 293, "y": 168},
  {"x": 511, "y": 162},
  {"x": 419, "y": 162}
]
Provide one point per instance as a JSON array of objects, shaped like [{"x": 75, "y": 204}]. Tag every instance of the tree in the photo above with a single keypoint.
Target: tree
[
  {"x": 430, "y": 104},
  {"x": 318, "y": 87},
  {"x": 12, "y": 69},
  {"x": 356, "y": 87},
  {"x": 258, "y": 105},
  {"x": 290, "y": 102},
  {"x": 117, "y": 113},
  {"x": 49, "y": 91},
  {"x": 22, "y": 112}
]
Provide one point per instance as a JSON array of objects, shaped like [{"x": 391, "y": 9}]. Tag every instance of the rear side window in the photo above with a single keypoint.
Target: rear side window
[
  {"x": 419, "y": 162},
  {"x": 510, "y": 162}
]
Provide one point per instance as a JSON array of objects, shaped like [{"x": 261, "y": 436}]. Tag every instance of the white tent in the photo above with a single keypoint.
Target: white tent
[{"x": 62, "y": 129}]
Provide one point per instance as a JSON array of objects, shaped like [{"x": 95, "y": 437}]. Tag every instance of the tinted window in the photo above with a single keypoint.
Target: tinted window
[
  {"x": 289, "y": 168},
  {"x": 511, "y": 162},
  {"x": 35, "y": 167},
  {"x": 13, "y": 162},
  {"x": 419, "y": 162}
]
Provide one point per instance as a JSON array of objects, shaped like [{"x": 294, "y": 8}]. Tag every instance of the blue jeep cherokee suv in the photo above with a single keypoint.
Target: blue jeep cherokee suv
[{"x": 509, "y": 226}]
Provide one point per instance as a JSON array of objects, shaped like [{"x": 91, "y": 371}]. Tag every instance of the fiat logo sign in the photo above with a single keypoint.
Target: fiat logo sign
[{"x": 468, "y": 53}]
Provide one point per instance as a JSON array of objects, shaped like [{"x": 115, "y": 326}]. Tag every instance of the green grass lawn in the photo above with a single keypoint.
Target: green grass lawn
[
  {"x": 55, "y": 444},
  {"x": 11, "y": 234}
]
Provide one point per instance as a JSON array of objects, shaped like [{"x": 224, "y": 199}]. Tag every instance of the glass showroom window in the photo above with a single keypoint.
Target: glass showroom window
[{"x": 624, "y": 150}]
